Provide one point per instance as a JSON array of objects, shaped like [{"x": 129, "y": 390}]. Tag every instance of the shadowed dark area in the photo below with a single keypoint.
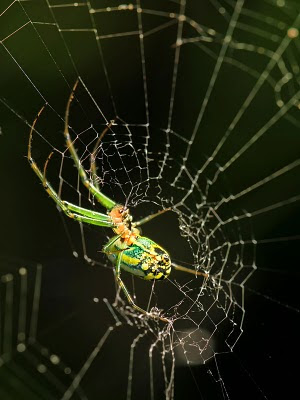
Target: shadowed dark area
[{"x": 173, "y": 76}]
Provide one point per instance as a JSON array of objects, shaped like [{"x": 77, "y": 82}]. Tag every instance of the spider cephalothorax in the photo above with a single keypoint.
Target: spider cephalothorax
[
  {"x": 128, "y": 250},
  {"x": 121, "y": 217}
]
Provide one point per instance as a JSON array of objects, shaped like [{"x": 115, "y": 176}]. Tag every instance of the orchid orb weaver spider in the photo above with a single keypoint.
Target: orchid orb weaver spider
[{"x": 127, "y": 250}]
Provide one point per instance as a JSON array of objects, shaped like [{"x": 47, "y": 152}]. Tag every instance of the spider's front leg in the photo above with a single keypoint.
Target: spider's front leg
[
  {"x": 72, "y": 211},
  {"x": 108, "y": 203}
]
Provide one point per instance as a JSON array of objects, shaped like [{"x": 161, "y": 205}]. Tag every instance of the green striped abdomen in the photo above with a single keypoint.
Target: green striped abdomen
[{"x": 144, "y": 258}]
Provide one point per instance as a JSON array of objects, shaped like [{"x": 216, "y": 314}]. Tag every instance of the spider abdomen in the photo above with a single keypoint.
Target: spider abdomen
[{"x": 143, "y": 258}]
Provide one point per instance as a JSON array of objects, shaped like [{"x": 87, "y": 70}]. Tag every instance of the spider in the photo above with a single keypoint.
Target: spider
[{"x": 127, "y": 249}]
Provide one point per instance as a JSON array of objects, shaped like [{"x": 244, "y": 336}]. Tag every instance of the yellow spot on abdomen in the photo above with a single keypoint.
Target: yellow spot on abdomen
[
  {"x": 129, "y": 260},
  {"x": 149, "y": 276}
]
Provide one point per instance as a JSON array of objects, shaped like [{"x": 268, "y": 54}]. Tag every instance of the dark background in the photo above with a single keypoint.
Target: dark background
[{"x": 70, "y": 323}]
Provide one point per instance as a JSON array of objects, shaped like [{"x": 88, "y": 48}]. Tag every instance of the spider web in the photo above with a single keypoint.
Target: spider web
[{"x": 204, "y": 103}]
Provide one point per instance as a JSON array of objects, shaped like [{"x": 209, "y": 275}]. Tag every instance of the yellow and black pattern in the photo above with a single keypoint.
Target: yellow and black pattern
[{"x": 144, "y": 258}]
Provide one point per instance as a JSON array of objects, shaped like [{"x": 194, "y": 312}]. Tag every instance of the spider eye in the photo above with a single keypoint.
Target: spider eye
[{"x": 124, "y": 211}]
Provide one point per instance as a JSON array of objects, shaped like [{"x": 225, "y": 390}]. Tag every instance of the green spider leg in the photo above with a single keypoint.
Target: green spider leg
[
  {"x": 121, "y": 284},
  {"x": 111, "y": 241},
  {"x": 88, "y": 183},
  {"x": 75, "y": 212}
]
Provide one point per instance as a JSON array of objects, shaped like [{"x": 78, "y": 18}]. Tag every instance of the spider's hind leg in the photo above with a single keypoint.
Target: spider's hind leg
[{"x": 121, "y": 284}]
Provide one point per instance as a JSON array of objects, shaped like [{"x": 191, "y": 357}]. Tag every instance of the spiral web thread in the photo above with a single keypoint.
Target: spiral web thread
[{"x": 160, "y": 152}]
